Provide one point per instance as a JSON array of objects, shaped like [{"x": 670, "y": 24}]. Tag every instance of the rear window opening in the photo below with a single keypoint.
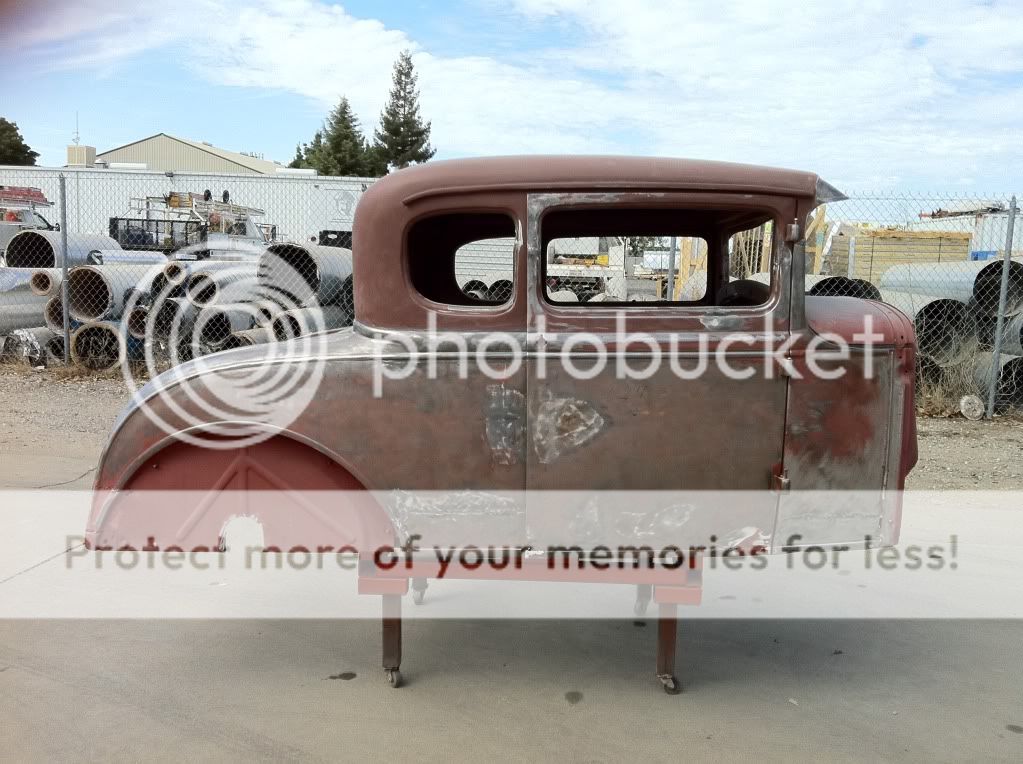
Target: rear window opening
[{"x": 465, "y": 259}]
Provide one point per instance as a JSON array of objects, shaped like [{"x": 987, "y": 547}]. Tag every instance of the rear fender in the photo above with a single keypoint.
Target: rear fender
[{"x": 181, "y": 496}]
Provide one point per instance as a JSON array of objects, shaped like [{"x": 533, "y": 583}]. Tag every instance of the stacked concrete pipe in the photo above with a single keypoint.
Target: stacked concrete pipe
[
  {"x": 971, "y": 282},
  {"x": 308, "y": 275},
  {"x": 304, "y": 321},
  {"x": 1008, "y": 376},
  {"x": 20, "y": 307},
  {"x": 102, "y": 345},
  {"x": 98, "y": 292},
  {"x": 46, "y": 282},
  {"x": 222, "y": 282},
  {"x": 946, "y": 330},
  {"x": 42, "y": 249}
]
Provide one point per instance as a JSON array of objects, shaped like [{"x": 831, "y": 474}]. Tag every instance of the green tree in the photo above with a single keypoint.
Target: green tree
[
  {"x": 13, "y": 149},
  {"x": 313, "y": 152},
  {"x": 339, "y": 148},
  {"x": 402, "y": 138}
]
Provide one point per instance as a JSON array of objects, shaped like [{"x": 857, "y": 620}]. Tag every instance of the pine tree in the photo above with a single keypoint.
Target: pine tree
[
  {"x": 344, "y": 148},
  {"x": 13, "y": 149},
  {"x": 402, "y": 137},
  {"x": 314, "y": 152},
  {"x": 339, "y": 148}
]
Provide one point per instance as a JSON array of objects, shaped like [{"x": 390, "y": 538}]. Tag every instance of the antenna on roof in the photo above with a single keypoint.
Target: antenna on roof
[{"x": 75, "y": 139}]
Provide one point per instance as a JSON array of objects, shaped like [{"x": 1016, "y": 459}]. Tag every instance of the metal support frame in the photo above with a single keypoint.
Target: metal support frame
[
  {"x": 392, "y": 638},
  {"x": 1002, "y": 299},
  {"x": 64, "y": 294},
  {"x": 669, "y": 294},
  {"x": 667, "y": 636},
  {"x": 667, "y": 633}
]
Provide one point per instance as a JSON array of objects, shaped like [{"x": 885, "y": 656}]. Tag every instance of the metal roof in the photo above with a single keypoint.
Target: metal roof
[{"x": 252, "y": 164}]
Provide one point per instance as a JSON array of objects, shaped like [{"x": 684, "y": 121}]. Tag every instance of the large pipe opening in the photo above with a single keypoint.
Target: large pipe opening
[
  {"x": 216, "y": 329},
  {"x": 286, "y": 327},
  {"x": 987, "y": 287},
  {"x": 1008, "y": 379},
  {"x": 946, "y": 331},
  {"x": 29, "y": 249},
  {"x": 89, "y": 295},
  {"x": 166, "y": 317},
  {"x": 842, "y": 286},
  {"x": 43, "y": 283},
  {"x": 53, "y": 316},
  {"x": 175, "y": 273},
  {"x": 135, "y": 322},
  {"x": 96, "y": 346},
  {"x": 55, "y": 349},
  {"x": 293, "y": 270},
  {"x": 202, "y": 289},
  {"x": 252, "y": 337}
]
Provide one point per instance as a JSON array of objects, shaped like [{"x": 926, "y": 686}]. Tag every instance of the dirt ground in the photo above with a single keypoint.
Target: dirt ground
[{"x": 53, "y": 427}]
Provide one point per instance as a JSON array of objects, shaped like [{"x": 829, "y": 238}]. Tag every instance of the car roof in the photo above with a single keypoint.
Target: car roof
[{"x": 553, "y": 173}]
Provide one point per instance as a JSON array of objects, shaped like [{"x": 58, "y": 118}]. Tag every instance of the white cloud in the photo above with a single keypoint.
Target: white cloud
[{"x": 867, "y": 92}]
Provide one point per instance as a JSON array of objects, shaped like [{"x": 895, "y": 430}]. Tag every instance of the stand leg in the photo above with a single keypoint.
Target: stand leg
[
  {"x": 418, "y": 590},
  {"x": 667, "y": 631},
  {"x": 643, "y": 594},
  {"x": 392, "y": 638}
]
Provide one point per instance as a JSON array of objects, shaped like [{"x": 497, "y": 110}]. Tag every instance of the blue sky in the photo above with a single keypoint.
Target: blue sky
[{"x": 871, "y": 94}]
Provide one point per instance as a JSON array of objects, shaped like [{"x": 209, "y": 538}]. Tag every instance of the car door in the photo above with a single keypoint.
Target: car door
[{"x": 637, "y": 433}]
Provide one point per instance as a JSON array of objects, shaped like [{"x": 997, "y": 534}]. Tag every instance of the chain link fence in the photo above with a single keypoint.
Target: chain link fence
[
  {"x": 954, "y": 264},
  {"x": 169, "y": 266},
  {"x": 176, "y": 265}
]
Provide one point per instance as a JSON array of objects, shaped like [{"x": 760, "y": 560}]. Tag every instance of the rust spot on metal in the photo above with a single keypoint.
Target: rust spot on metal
[
  {"x": 563, "y": 424},
  {"x": 505, "y": 416}
]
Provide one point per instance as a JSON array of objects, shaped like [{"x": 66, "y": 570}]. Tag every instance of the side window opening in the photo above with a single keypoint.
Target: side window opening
[
  {"x": 463, "y": 258},
  {"x": 668, "y": 256}
]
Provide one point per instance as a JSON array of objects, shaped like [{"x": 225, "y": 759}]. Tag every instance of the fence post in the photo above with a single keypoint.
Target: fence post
[
  {"x": 992, "y": 390},
  {"x": 669, "y": 295},
  {"x": 62, "y": 201}
]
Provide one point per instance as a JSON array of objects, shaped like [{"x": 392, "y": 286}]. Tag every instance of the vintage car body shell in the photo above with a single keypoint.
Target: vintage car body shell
[{"x": 488, "y": 437}]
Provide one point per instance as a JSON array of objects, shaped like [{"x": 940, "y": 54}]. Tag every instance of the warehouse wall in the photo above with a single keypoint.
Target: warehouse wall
[{"x": 299, "y": 206}]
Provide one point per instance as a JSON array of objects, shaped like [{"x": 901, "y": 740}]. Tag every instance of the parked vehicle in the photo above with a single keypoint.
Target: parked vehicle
[
  {"x": 198, "y": 223},
  {"x": 19, "y": 211},
  {"x": 437, "y": 452}
]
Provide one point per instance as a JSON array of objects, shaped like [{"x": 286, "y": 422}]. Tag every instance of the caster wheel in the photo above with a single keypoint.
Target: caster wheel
[
  {"x": 640, "y": 607},
  {"x": 418, "y": 595},
  {"x": 670, "y": 684},
  {"x": 393, "y": 677}
]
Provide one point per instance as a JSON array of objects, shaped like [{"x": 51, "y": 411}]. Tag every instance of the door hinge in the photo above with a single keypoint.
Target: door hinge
[{"x": 780, "y": 482}]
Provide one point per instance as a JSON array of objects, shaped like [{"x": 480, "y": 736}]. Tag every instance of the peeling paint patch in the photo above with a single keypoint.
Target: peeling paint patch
[
  {"x": 563, "y": 424},
  {"x": 504, "y": 414}
]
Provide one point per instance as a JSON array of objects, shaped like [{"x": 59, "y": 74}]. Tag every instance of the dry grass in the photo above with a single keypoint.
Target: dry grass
[{"x": 72, "y": 372}]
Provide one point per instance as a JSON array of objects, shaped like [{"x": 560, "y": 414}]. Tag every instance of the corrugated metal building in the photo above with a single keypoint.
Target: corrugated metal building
[{"x": 166, "y": 153}]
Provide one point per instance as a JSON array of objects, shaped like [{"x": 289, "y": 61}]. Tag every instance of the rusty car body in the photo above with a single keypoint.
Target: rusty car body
[{"x": 511, "y": 443}]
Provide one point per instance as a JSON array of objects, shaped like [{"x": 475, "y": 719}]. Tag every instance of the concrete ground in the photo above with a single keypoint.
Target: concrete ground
[{"x": 576, "y": 691}]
